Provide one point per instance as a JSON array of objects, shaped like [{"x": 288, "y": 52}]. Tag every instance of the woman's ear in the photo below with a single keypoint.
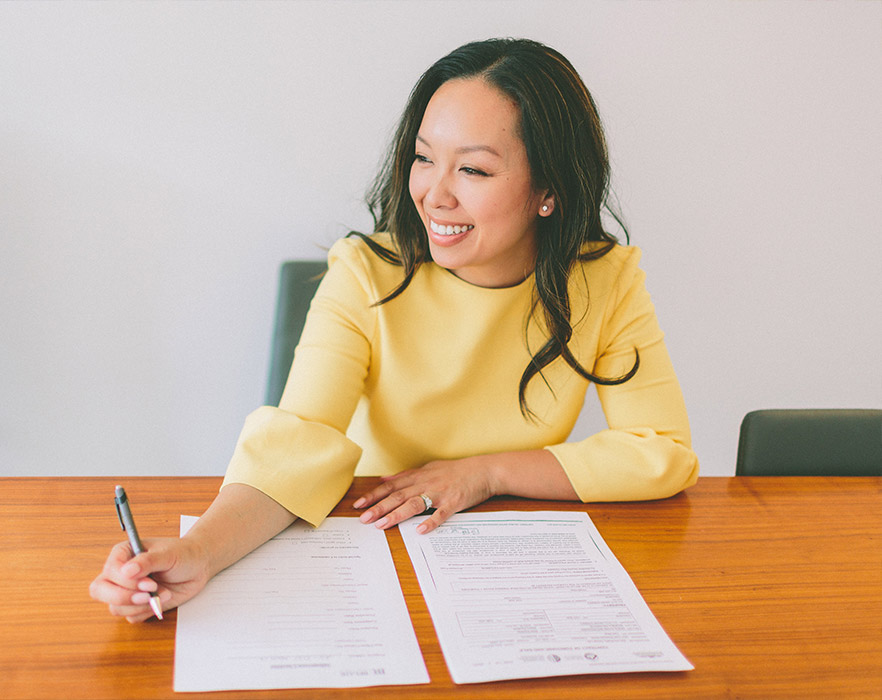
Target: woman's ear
[{"x": 547, "y": 205}]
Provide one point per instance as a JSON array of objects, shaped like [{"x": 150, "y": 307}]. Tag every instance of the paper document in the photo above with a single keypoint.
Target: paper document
[
  {"x": 525, "y": 595},
  {"x": 311, "y": 608}
]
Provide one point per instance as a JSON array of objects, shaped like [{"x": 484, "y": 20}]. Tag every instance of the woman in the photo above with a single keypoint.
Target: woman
[{"x": 452, "y": 354}]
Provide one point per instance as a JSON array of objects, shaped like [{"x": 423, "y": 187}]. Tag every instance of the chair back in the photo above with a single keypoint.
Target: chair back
[
  {"x": 810, "y": 442},
  {"x": 298, "y": 281}
]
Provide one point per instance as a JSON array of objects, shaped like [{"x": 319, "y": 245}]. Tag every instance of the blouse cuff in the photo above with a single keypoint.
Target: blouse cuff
[
  {"x": 632, "y": 465},
  {"x": 304, "y": 466}
]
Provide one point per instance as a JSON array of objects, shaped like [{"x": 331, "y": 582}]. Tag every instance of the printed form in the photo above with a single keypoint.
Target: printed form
[
  {"x": 532, "y": 594},
  {"x": 311, "y": 608}
]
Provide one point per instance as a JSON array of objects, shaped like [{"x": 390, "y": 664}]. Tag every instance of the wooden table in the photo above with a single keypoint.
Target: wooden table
[{"x": 772, "y": 587}]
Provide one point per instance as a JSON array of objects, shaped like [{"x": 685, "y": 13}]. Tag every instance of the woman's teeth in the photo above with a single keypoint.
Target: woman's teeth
[{"x": 449, "y": 230}]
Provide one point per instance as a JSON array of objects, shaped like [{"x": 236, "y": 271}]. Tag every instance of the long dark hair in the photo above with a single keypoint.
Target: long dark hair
[{"x": 566, "y": 149}]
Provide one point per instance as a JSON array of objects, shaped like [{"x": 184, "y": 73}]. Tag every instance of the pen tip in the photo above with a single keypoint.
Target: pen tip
[{"x": 156, "y": 605}]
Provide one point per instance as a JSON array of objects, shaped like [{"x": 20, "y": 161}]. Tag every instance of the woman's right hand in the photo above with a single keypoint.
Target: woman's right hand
[
  {"x": 177, "y": 570},
  {"x": 239, "y": 519}
]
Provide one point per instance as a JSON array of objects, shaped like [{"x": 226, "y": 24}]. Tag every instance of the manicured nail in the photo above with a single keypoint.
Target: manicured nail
[
  {"x": 359, "y": 503},
  {"x": 421, "y": 528},
  {"x": 365, "y": 517},
  {"x": 381, "y": 522}
]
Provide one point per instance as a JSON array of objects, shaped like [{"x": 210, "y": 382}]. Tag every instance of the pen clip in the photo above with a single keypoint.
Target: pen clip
[{"x": 116, "y": 502}]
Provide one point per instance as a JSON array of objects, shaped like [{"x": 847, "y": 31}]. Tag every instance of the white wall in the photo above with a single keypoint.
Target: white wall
[{"x": 158, "y": 161}]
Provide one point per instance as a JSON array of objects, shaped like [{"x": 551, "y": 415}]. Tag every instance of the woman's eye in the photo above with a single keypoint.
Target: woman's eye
[
  {"x": 473, "y": 171},
  {"x": 419, "y": 158}
]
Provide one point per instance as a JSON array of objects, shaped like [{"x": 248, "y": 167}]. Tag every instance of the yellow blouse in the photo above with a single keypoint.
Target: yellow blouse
[{"x": 434, "y": 374}]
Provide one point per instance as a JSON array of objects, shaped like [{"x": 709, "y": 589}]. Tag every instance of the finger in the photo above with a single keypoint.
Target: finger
[
  {"x": 128, "y": 571},
  {"x": 119, "y": 555},
  {"x": 137, "y": 607},
  {"x": 133, "y": 576},
  {"x": 375, "y": 495},
  {"x": 148, "y": 584},
  {"x": 108, "y": 592},
  {"x": 405, "y": 477},
  {"x": 158, "y": 559},
  {"x": 133, "y": 613},
  {"x": 393, "y": 500},
  {"x": 143, "y": 617},
  {"x": 433, "y": 521},
  {"x": 411, "y": 507},
  {"x": 389, "y": 484},
  {"x": 129, "y": 610},
  {"x": 122, "y": 576},
  {"x": 143, "y": 598},
  {"x": 105, "y": 591}
]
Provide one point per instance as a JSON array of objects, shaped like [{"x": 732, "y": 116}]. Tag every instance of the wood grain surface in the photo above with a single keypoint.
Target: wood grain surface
[{"x": 771, "y": 587}]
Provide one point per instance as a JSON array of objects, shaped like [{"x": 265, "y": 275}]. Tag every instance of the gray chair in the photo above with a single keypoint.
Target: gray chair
[
  {"x": 810, "y": 442},
  {"x": 298, "y": 281}
]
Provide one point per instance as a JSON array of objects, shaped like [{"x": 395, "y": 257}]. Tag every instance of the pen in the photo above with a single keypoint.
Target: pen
[{"x": 128, "y": 524}]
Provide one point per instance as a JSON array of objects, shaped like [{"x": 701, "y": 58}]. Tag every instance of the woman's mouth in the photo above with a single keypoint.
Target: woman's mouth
[{"x": 443, "y": 230}]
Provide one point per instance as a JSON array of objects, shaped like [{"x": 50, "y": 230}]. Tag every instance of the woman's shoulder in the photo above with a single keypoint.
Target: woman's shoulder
[
  {"x": 369, "y": 251},
  {"x": 598, "y": 285},
  {"x": 615, "y": 265},
  {"x": 361, "y": 246},
  {"x": 370, "y": 258}
]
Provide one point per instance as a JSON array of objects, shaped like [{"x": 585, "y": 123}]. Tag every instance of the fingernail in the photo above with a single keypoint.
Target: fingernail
[
  {"x": 130, "y": 570},
  {"x": 365, "y": 517},
  {"x": 381, "y": 522},
  {"x": 421, "y": 528},
  {"x": 140, "y": 598},
  {"x": 359, "y": 503}
]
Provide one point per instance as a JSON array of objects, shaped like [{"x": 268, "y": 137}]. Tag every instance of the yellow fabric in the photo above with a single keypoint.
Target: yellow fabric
[{"x": 434, "y": 374}]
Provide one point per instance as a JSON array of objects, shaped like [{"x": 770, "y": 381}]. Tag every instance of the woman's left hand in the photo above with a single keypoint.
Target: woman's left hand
[{"x": 452, "y": 485}]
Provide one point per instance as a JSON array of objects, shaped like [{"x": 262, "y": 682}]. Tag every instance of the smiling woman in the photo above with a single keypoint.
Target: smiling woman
[
  {"x": 471, "y": 185},
  {"x": 419, "y": 356}
]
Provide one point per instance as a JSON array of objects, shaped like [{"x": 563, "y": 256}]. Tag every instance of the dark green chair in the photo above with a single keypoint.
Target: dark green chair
[
  {"x": 298, "y": 281},
  {"x": 811, "y": 442}
]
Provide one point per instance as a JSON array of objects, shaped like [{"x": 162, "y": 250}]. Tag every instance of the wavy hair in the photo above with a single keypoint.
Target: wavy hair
[{"x": 567, "y": 153}]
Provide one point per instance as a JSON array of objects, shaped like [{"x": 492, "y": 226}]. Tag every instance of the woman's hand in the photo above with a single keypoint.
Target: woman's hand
[
  {"x": 176, "y": 569},
  {"x": 240, "y": 519},
  {"x": 457, "y": 484},
  {"x": 453, "y": 485}
]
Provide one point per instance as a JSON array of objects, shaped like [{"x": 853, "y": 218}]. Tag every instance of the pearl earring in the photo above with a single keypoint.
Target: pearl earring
[{"x": 544, "y": 207}]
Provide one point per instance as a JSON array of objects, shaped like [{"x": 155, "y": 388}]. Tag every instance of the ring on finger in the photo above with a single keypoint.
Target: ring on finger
[{"x": 426, "y": 502}]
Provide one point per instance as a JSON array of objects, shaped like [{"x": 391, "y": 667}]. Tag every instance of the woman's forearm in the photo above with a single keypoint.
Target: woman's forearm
[
  {"x": 529, "y": 474},
  {"x": 240, "y": 519}
]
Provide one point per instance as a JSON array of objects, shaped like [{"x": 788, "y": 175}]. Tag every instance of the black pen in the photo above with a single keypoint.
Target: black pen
[{"x": 128, "y": 524}]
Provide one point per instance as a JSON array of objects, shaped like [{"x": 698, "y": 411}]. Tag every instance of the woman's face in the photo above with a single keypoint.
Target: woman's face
[{"x": 470, "y": 182}]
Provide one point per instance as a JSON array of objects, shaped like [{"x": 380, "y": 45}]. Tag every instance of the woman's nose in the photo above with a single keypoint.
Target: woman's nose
[{"x": 440, "y": 193}]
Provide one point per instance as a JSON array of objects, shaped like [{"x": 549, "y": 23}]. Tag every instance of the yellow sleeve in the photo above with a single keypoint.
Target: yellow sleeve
[
  {"x": 646, "y": 452},
  {"x": 298, "y": 454}
]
